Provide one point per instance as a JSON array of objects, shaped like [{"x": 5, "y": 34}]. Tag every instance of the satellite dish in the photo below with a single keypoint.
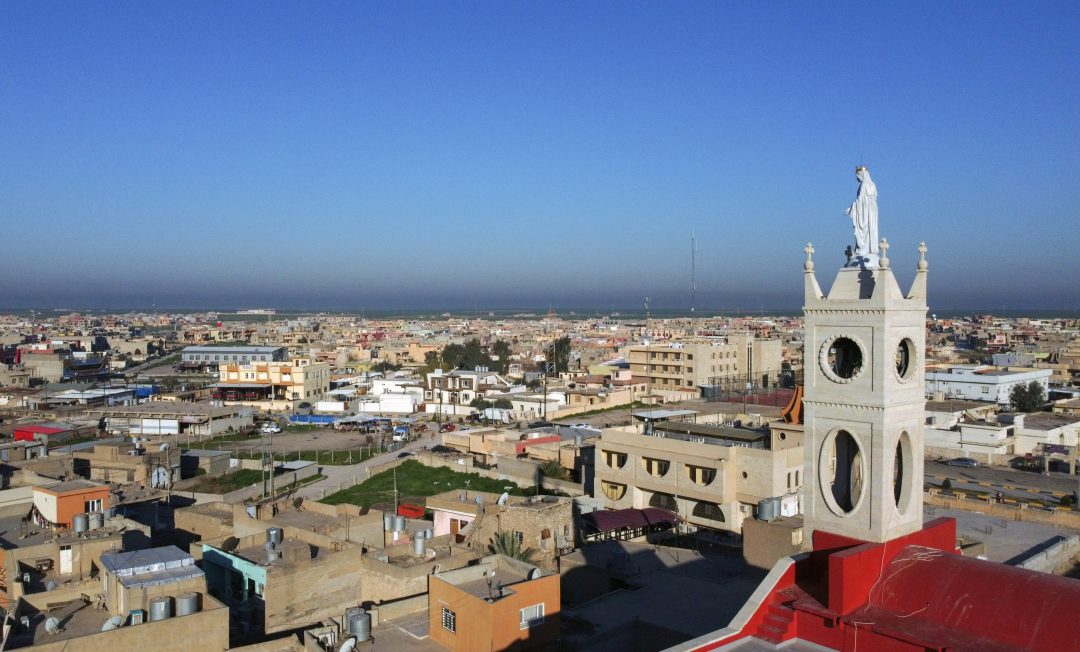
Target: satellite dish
[
  {"x": 229, "y": 544},
  {"x": 534, "y": 574},
  {"x": 164, "y": 447},
  {"x": 349, "y": 645},
  {"x": 479, "y": 500},
  {"x": 51, "y": 586},
  {"x": 112, "y": 623},
  {"x": 52, "y": 626},
  {"x": 503, "y": 498}
]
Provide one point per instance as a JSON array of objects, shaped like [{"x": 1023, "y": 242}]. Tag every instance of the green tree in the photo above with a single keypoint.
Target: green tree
[
  {"x": 432, "y": 359},
  {"x": 480, "y": 404},
  {"x": 501, "y": 350},
  {"x": 1027, "y": 398},
  {"x": 552, "y": 469},
  {"x": 451, "y": 356},
  {"x": 504, "y": 543},
  {"x": 385, "y": 366},
  {"x": 504, "y": 404}
]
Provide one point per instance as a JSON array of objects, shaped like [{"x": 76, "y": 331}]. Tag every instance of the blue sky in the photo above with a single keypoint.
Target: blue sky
[{"x": 504, "y": 154}]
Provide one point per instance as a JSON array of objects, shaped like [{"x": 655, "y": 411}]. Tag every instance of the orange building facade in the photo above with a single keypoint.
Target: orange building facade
[
  {"x": 59, "y": 503},
  {"x": 468, "y": 613}
]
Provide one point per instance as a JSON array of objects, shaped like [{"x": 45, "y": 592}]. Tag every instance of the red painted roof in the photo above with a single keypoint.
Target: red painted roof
[
  {"x": 40, "y": 430},
  {"x": 926, "y": 595}
]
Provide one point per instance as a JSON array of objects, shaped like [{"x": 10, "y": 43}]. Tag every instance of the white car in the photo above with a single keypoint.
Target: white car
[{"x": 271, "y": 428}]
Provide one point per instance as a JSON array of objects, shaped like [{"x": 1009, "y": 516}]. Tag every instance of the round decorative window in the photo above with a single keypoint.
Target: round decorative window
[
  {"x": 841, "y": 359},
  {"x": 906, "y": 360}
]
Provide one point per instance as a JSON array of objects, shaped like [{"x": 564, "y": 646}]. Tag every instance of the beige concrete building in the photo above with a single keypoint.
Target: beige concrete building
[
  {"x": 273, "y": 385},
  {"x": 712, "y": 476},
  {"x": 543, "y": 524},
  {"x": 694, "y": 362}
]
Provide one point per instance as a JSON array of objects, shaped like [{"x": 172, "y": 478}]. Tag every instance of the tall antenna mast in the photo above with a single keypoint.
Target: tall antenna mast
[{"x": 693, "y": 273}]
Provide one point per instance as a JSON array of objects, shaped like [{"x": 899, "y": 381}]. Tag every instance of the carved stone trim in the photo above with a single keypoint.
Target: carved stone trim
[{"x": 823, "y": 358}]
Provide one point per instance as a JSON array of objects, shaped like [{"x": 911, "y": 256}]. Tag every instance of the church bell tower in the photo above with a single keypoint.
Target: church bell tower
[{"x": 864, "y": 400}]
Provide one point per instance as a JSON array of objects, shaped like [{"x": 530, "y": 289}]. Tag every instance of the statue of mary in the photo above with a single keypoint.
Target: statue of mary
[{"x": 864, "y": 216}]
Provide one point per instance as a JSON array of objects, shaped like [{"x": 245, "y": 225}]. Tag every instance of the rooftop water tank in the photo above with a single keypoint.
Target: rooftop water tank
[
  {"x": 97, "y": 520},
  {"x": 80, "y": 523},
  {"x": 768, "y": 509},
  {"x": 399, "y": 523},
  {"x": 188, "y": 603},
  {"x": 358, "y": 622},
  {"x": 387, "y": 521},
  {"x": 275, "y": 535},
  {"x": 161, "y": 608},
  {"x": 419, "y": 546}
]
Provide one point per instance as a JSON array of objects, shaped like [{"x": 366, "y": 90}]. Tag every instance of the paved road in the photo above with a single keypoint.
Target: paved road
[
  {"x": 1020, "y": 484},
  {"x": 342, "y": 476}
]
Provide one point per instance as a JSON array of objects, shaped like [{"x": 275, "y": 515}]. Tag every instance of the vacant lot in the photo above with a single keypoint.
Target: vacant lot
[
  {"x": 323, "y": 445},
  {"x": 414, "y": 483}
]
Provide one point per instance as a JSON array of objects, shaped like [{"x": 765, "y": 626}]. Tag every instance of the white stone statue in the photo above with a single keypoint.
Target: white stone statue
[{"x": 863, "y": 212}]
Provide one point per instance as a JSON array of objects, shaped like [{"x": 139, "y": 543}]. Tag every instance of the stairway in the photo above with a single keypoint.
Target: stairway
[{"x": 777, "y": 623}]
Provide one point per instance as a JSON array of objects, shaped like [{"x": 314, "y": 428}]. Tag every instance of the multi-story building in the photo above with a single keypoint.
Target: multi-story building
[
  {"x": 713, "y": 476},
  {"x": 451, "y": 393},
  {"x": 273, "y": 385},
  {"x": 689, "y": 364},
  {"x": 981, "y": 382}
]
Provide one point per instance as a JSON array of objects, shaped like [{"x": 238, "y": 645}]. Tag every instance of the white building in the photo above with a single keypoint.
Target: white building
[{"x": 982, "y": 382}]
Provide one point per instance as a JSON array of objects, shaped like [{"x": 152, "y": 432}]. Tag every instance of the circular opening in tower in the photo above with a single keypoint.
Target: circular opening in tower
[
  {"x": 845, "y": 358},
  {"x": 841, "y": 472},
  {"x": 905, "y": 358}
]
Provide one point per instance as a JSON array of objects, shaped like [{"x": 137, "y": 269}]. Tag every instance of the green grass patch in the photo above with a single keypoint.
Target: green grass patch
[
  {"x": 229, "y": 482},
  {"x": 416, "y": 482}
]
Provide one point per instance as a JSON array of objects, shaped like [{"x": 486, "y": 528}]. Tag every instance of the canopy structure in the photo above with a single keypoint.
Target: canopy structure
[{"x": 625, "y": 524}]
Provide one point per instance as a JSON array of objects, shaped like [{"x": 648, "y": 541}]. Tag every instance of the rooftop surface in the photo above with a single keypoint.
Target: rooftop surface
[
  {"x": 612, "y": 585},
  {"x": 74, "y": 485}
]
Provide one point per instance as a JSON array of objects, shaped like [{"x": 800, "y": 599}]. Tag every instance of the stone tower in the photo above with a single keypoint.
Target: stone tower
[{"x": 864, "y": 400}]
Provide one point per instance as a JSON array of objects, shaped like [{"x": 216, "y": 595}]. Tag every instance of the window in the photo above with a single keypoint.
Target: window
[
  {"x": 93, "y": 505},
  {"x": 532, "y": 616},
  {"x": 519, "y": 537},
  {"x": 449, "y": 620}
]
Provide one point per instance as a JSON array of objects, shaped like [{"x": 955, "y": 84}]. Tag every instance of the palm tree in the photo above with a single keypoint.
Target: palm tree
[
  {"x": 552, "y": 469},
  {"x": 504, "y": 543}
]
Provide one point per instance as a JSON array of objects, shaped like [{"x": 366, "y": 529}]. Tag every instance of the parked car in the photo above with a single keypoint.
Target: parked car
[
  {"x": 963, "y": 461},
  {"x": 270, "y": 428},
  {"x": 447, "y": 427}
]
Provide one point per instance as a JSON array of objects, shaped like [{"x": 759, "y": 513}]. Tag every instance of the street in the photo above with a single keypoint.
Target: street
[{"x": 1018, "y": 484}]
